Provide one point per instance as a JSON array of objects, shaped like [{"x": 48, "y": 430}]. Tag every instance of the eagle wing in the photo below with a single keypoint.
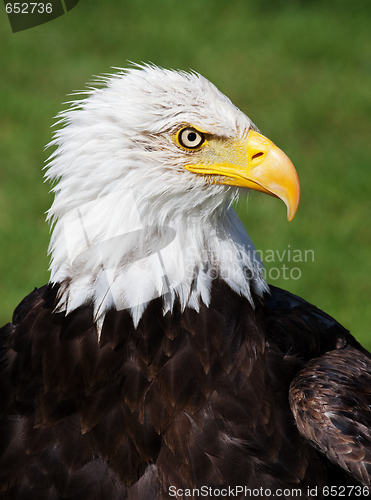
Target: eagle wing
[
  {"x": 330, "y": 395},
  {"x": 331, "y": 401}
]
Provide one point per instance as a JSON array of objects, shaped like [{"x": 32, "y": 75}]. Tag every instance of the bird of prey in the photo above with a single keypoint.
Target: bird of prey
[{"x": 157, "y": 363}]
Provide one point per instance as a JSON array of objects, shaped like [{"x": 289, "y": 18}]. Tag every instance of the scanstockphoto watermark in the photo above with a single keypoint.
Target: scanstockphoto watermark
[
  {"x": 233, "y": 492},
  {"x": 275, "y": 264},
  {"x": 246, "y": 492},
  {"x": 284, "y": 264},
  {"x": 122, "y": 248},
  {"x": 25, "y": 15}
]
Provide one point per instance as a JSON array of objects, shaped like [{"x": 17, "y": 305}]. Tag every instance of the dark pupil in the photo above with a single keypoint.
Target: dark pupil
[{"x": 192, "y": 136}]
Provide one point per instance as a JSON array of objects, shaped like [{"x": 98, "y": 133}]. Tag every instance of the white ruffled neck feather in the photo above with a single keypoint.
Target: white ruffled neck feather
[{"x": 122, "y": 192}]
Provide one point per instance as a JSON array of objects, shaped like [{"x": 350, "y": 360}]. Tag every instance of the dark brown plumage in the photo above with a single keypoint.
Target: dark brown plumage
[{"x": 185, "y": 400}]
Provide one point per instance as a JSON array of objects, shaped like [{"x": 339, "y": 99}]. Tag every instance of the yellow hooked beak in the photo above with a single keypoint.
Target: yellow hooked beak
[{"x": 254, "y": 163}]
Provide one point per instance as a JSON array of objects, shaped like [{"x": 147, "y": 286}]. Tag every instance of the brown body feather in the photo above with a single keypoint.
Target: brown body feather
[{"x": 186, "y": 400}]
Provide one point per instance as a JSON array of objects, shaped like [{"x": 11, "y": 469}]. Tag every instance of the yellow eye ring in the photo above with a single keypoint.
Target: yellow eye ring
[{"x": 190, "y": 138}]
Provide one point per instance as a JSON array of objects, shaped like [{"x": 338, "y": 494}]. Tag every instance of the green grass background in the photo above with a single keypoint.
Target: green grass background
[{"x": 300, "y": 69}]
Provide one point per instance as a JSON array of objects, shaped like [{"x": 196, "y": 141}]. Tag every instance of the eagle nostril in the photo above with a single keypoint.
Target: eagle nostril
[{"x": 257, "y": 155}]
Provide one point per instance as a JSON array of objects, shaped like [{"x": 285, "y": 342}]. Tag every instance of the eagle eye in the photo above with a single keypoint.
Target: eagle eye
[{"x": 190, "y": 138}]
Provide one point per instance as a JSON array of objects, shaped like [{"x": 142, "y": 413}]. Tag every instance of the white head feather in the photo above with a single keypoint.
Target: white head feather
[{"x": 117, "y": 170}]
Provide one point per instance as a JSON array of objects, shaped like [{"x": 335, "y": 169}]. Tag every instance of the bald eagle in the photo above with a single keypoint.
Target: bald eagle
[{"x": 157, "y": 363}]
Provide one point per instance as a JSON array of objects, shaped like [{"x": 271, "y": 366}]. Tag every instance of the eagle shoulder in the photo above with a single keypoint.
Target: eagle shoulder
[{"x": 330, "y": 394}]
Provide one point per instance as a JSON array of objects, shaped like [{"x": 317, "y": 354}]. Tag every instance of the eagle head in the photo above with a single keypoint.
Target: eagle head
[{"x": 145, "y": 170}]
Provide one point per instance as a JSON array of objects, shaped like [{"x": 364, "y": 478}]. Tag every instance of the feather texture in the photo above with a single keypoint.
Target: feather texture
[{"x": 186, "y": 399}]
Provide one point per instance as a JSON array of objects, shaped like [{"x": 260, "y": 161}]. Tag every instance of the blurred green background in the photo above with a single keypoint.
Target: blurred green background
[{"x": 300, "y": 69}]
